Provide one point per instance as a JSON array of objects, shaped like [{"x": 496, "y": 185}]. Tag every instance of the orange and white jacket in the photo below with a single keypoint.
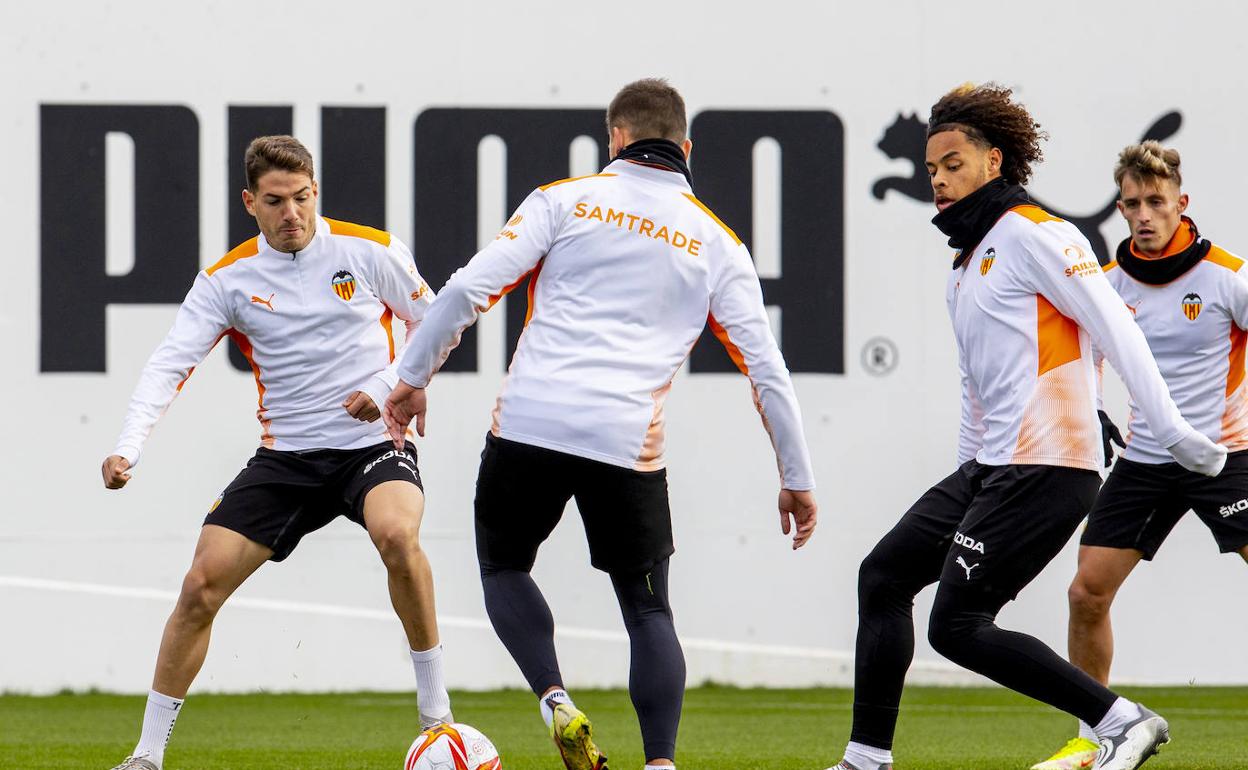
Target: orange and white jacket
[
  {"x": 315, "y": 326},
  {"x": 1023, "y": 306},
  {"x": 1195, "y": 326},
  {"x": 628, "y": 267}
]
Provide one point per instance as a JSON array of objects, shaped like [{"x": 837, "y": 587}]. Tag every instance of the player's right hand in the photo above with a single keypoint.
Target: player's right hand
[
  {"x": 114, "y": 470},
  {"x": 800, "y": 504},
  {"x": 1197, "y": 453},
  {"x": 404, "y": 404}
]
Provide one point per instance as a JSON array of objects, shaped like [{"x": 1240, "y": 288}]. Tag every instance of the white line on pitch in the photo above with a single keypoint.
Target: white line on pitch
[{"x": 472, "y": 624}]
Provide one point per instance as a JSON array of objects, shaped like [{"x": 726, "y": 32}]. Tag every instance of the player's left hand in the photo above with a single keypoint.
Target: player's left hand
[
  {"x": 404, "y": 404},
  {"x": 360, "y": 406},
  {"x": 1110, "y": 435},
  {"x": 800, "y": 504}
]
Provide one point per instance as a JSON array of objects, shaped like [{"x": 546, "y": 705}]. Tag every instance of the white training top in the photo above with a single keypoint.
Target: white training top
[
  {"x": 628, "y": 267},
  {"x": 315, "y": 326},
  {"x": 1195, "y": 326},
  {"x": 1023, "y": 306}
]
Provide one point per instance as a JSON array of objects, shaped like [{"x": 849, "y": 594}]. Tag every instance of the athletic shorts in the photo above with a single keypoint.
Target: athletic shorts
[
  {"x": 282, "y": 496},
  {"x": 1141, "y": 502},
  {"x": 992, "y": 529},
  {"x": 523, "y": 489}
]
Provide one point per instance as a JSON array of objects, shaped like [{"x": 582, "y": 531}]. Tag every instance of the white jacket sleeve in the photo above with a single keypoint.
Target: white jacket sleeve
[
  {"x": 401, "y": 288},
  {"x": 475, "y": 287},
  {"x": 1237, "y": 298},
  {"x": 1066, "y": 273},
  {"x": 739, "y": 319},
  {"x": 201, "y": 322}
]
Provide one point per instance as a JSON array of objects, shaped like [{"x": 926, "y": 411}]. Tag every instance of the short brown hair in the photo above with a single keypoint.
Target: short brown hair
[
  {"x": 649, "y": 109},
  {"x": 1148, "y": 161},
  {"x": 990, "y": 118},
  {"x": 266, "y": 153}
]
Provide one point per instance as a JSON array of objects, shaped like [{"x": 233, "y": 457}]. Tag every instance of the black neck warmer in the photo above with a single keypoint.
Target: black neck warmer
[
  {"x": 1159, "y": 272},
  {"x": 967, "y": 221},
  {"x": 660, "y": 153}
]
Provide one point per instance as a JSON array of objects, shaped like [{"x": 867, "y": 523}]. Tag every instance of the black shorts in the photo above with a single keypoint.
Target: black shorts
[
  {"x": 1140, "y": 504},
  {"x": 992, "y": 529},
  {"x": 282, "y": 496},
  {"x": 523, "y": 489}
]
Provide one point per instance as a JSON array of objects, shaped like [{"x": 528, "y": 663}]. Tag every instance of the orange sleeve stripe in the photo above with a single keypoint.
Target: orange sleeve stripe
[
  {"x": 387, "y": 318},
  {"x": 734, "y": 352},
  {"x": 546, "y": 187},
  {"x": 249, "y": 248},
  {"x": 1235, "y": 375},
  {"x": 1110, "y": 266},
  {"x": 337, "y": 227},
  {"x": 1035, "y": 214},
  {"x": 1057, "y": 337},
  {"x": 508, "y": 289},
  {"x": 528, "y": 316},
  {"x": 711, "y": 214},
  {"x": 1224, "y": 259}
]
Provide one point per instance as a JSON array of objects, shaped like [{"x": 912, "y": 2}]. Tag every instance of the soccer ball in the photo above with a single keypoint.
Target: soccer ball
[{"x": 452, "y": 747}]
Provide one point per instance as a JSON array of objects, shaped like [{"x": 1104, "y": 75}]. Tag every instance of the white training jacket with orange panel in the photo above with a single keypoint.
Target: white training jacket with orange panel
[
  {"x": 1023, "y": 305},
  {"x": 315, "y": 326},
  {"x": 1195, "y": 326},
  {"x": 628, "y": 267}
]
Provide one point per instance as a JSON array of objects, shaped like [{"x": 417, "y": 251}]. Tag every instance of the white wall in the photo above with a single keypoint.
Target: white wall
[{"x": 87, "y": 576}]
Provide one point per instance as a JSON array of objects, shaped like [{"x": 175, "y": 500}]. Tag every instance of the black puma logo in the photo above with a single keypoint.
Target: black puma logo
[{"x": 906, "y": 139}]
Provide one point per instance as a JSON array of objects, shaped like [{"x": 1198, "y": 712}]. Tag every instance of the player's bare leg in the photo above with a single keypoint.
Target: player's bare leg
[
  {"x": 223, "y": 560},
  {"x": 1244, "y": 552},
  {"x": 392, "y": 514},
  {"x": 1090, "y": 637}
]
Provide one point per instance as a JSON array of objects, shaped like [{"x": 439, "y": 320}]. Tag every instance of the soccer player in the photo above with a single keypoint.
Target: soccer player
[
  {"x": 1026, "y": 297},
  {"x": 1190, "y": 298},
  {"x": 626, "y": 267},
  {"x": 309, "y": 302}
]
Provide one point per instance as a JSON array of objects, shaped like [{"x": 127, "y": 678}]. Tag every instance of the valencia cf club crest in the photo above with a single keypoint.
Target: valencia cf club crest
[
  {"x": 985, "y": 262},
  {"x": 1191, "y": 306},
  {"x": 344, "y": 285}
]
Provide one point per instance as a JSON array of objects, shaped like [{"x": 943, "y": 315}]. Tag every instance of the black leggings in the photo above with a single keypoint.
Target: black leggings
[
  {"x": 1019, "y": 517},
  {"x": 656, "y": 681}
]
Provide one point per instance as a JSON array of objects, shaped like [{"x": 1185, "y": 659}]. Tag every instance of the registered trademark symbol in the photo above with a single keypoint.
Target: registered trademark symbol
[{"x": 879, "y": 356}]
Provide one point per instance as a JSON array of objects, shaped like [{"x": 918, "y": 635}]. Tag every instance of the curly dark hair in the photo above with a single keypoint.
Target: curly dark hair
[{"x": 989, "y": 119}]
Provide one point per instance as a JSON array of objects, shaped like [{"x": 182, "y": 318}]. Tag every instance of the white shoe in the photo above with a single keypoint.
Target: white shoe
[
  {"x": 844, "y": 765},
  {"x": 138, "y": 762},
  {"x": 1138, "y": 741}
]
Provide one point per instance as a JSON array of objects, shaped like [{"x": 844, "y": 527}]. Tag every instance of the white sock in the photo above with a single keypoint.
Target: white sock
[
  {"x": 660, "y": 767},
  {"x": 1120, "y": 714},
  {"x": 162, "y": 711},
  {"x": 866, "y": 757},
  {"x": 548, "y": 712},
  {"x": 431, "y": 696},
  {"x": 1087, "y": 733}
]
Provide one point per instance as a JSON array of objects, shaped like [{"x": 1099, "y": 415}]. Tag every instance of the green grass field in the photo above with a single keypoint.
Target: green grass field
[{"x": 722, "y": 728}]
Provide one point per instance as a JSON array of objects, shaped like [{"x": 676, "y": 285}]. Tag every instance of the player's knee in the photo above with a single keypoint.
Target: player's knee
[
  {"x": 201, "y": 598},
  {"x": 1088, "y": 601},
  {"x": 951, "y": 628},
  {"x": 875, "y": 579},
  {"x": 398, "y": 543}
]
